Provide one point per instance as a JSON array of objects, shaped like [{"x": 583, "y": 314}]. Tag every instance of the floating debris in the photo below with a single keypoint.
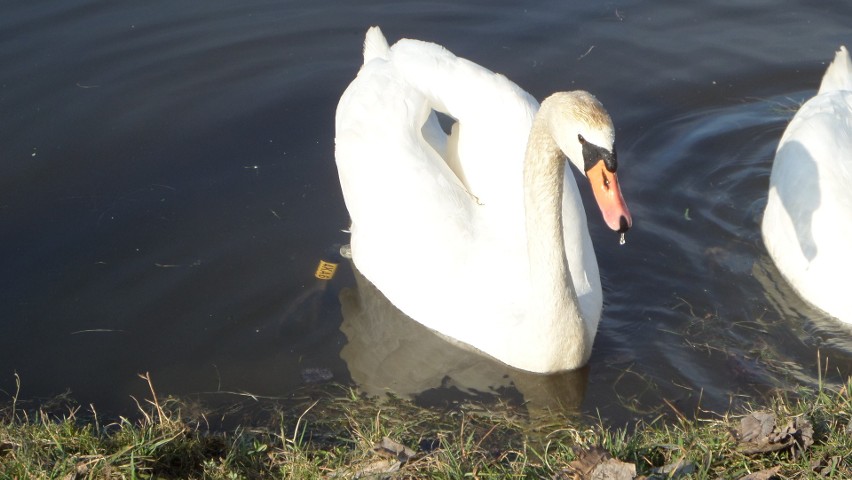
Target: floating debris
[{"x": 316, "y": 375}]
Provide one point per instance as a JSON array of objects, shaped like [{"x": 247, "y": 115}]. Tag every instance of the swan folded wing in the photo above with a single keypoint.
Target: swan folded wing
[
  {"x": 838, "y": 75},
  {"x": 815, "y": 153},
  {"x": 494, "y": 117},
  {"x": 832, "y": 219},
  {"x": 402, "y": 197},
  {"x": 580, "y": 253},
  {"x": 379, "y": 130},
  {"x": 830, "y": 143}
]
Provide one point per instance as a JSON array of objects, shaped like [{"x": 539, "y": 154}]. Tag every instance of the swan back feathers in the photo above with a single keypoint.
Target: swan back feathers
[
  {"x": 375, "y": 45},
  {"x": 838, "y": 76}
]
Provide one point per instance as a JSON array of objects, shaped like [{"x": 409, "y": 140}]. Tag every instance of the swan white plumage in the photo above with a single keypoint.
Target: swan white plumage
[
  {"x": 459, "y": 231},
  {"x": 807, "y": 224}
]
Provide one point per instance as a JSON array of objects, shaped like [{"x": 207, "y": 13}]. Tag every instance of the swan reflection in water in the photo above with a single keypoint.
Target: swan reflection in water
[
  {"x": 388, "y": 352},
  {"x": 809, "y": 324}
]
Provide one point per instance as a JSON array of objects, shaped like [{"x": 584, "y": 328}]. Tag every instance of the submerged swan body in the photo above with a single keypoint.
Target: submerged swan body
[
  {"x": 477, "y": 234},
  {"x": 807, "y": 224}
]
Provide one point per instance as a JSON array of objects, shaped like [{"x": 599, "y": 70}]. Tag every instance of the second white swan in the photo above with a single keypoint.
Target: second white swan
[
  {"x": 807, "y": 224},
  {"x": 477, "y": 234}
]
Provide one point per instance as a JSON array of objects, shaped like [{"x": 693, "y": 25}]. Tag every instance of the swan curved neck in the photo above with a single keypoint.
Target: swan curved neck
[{"x": 553, "y": 298}]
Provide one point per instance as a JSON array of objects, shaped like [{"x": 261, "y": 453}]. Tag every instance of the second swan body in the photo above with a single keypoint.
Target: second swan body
[{"x": 807, "y": 224}]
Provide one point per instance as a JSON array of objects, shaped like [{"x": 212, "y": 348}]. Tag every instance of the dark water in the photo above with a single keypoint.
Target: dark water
[{"x": 167, "y": 187}]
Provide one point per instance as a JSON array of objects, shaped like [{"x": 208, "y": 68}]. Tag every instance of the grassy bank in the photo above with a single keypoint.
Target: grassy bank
[{"x": 808, "y": 435}]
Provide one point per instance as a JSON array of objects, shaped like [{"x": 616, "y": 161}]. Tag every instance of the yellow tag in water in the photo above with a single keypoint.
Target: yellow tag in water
[{"x": 325, "y": 270}]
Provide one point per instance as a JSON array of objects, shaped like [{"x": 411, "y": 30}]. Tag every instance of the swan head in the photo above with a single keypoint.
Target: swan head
[{"x": 583, "y": 130}]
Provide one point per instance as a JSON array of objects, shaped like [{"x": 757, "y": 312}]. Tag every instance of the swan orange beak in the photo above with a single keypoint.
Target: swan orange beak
[{"x": 608, "y": 195}]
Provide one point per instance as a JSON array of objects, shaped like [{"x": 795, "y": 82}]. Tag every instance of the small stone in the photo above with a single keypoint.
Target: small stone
[{"x": 614, "y": 469}]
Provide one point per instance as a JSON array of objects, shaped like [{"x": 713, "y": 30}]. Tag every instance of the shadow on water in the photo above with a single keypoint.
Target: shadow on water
[
  {"x": 811, "y": 326},
  {"x": 388, "y": 352},
  {"x": 799, "y": 208}
]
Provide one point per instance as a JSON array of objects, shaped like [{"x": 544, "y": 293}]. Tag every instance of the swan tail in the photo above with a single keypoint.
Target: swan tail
[
  {"x": 375, "y": 45},
  {"x": 838, "y": 76}
]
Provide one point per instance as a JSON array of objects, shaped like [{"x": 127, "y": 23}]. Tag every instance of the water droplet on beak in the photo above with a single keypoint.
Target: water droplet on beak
[{"x": 622, "y": 241}]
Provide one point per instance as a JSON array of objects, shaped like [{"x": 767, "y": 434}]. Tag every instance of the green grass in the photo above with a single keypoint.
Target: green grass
[{"x": 334, "y": 437}]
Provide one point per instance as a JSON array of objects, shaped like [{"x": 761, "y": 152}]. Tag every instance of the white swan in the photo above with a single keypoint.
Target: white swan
[
  {"x": 460, "y": 232},
  {"x": 807, "y": 224}
]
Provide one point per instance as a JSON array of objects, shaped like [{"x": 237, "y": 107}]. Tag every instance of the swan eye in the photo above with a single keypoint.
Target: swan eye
[{"x": 581, "y": 139}]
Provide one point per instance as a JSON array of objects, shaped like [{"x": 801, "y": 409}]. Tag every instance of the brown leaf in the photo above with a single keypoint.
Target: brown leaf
[
  {"x": 376, "y": 469},
  {"x": 765, "y": 446},
  {"x": 804, "y": 432},
  {"x": 596, "y": 464},
  {"x": 677, "y": 469},
  {"x": 759, "y": 433},
  {"x": 390, "y": 449},
  {"x": 587, "y": 460},
  {"x": 755, "y": 427},
  {"x": 768, "y": 474},
  {"x": 825, "y": 467}
]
